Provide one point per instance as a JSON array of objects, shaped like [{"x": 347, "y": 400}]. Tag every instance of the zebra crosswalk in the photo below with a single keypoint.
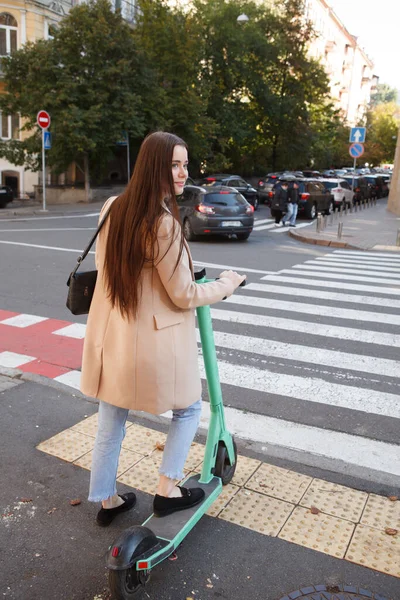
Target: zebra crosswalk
[{"x": 309, "y": 361}]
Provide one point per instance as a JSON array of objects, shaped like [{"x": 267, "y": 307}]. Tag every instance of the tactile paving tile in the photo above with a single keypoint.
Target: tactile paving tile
[
  {"x": 320, "y": 532},
  {"x": 380, "y": 512},
  {"x": 279, "y": 483},
  {"x": 88, "y": 425},
  {"x": 143, "y": 476},
  {"x": 257, "y": 512},
  {"x": 336, "y": 500},
  {"x": 127, "y": 459},
  {"x": 244, "y": 469},
  {"x": 141, "y": 439},
  {"x": 68, "y": 445},
  {"x": 376, "y": 550},
  {"x": 228, "y": 492}
]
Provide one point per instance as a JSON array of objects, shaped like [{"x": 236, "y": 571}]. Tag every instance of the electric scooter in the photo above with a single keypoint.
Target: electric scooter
[{"x": 140, "y": 548}]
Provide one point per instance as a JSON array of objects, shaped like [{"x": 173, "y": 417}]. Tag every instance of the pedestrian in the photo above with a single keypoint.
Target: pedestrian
[
  {"x": 140, "y": 350},
  {"x": 279, "y": 202},
  {"x": 292, "y": 205}
]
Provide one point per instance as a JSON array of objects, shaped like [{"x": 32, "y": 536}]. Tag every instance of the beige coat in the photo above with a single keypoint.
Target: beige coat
[{"x": 148, "y": 363}]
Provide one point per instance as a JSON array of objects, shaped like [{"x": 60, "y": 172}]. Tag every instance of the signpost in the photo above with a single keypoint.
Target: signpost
[
  {"x": 357, "y": 139},
  {"x": 355, "y": 150},
  {"x": 357, "y": 135},
  {"x": 125, "y": 142},
  {"x": 43, "y": 120}
]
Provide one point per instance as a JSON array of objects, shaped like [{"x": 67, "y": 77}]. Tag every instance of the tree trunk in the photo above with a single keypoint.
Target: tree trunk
[
  {"x": 274, "y": 152},
  {"x": 88, "y": 195}
]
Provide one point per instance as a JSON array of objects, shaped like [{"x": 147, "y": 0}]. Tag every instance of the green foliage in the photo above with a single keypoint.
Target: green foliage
[
  {"x": 382, "y": 126},
  {"x": 384, "y": 94}
]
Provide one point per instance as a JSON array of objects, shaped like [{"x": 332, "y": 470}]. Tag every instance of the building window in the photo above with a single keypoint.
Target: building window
[
  {"x": 8, "y": 34},
  {"x": 9, "y": 127},
  {"x": 52, "y": 31}
]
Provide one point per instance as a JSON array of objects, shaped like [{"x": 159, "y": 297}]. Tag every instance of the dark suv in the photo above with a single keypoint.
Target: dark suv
[
  {"x": 217, "y": 210},
  {"x": 6, "y": 195},
  {"x": 314, "y": 198},
  {"x": 362, "y": 190},
  {"x": 236, "y": 182},
  {"x": 265, "y": 186}
]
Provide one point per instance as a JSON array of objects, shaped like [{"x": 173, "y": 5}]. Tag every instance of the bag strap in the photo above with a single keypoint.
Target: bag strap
[{"x": 84, "y": 254}]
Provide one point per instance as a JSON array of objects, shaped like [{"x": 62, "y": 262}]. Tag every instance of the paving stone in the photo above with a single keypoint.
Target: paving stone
[
  {"x": 336, "y": 500},
  {"x": 374, "y": 549},
  {"x": 279, "y": 483}
]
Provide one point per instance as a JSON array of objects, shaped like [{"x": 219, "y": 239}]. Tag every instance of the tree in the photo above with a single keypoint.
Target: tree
[
  {"x": 89, "y": 78},
  {"x": 383, "y": 95},
  {"x": 382, "y": 126}
]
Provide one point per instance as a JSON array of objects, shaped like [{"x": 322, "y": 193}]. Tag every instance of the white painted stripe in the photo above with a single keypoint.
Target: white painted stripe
[
  {"x": 315, "y": 309},
  {"x": 376, "y": 262},
  {"x": 229, "y": 268},
  {"x": 299, "y": 271},
  {"x": 356, "y": 450},
  {"x": 267, "y": 288},
  {"x": 45, "y": 247},
  {"x": 307, "y": 354},
  {"x": 367, "y": 254},
  {"x": 75, "y": 330},
  {"x": 264, "y": 227},
  {"x": 49, "y": 230},
  {"x": 23, "y": 320},
  {"x": 72, "y": 378},
  {"x": 353, "y": 265},
  {"x": 300, "y": 226},
  {"x": 13, "y": 360},
  {"x": 95, "y": 214},
  {"x": 262, "y": 221},
  {"x": 333, "y": 269},
  {"x": 308, "y": 327},
  {"x": 352, "y": 449},
  {"x": 333, "y": 284}
]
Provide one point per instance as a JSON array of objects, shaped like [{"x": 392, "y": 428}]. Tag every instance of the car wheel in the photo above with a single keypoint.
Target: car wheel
[
  {"x": 242, "y": 237},
  {"x": 310, "y": 212},
  {"x": 188, "y": 231},
  {"x": 256, "y": 203},
  {"x": 330, "y": 208}
]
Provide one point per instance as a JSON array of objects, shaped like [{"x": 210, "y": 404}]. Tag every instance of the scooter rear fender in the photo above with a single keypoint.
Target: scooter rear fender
[{"x": 132, "y": 545}]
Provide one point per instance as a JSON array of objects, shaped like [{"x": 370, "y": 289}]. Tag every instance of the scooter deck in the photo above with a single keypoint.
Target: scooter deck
[{"x": 168, "y": 528}]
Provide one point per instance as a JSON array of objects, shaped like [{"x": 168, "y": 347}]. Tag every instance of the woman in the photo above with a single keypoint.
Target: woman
[{"x": 140, "y": 349}]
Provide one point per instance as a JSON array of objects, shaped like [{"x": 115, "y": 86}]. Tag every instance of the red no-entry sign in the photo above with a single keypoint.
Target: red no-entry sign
[{"x": 43, "y": 119}]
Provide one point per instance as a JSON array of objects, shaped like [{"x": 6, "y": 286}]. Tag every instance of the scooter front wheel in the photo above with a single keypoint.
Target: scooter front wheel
[
  {"x": 127, "y": 583},
  {"x": 223, "y": 468}
]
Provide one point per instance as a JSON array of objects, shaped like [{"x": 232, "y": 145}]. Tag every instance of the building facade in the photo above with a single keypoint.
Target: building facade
[{"x": 350, "y": 70}]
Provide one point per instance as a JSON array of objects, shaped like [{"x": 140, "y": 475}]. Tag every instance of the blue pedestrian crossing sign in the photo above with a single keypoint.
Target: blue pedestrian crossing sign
[
  {"x": 357, "y": 135},
  {"x": 47, "y": 140}
]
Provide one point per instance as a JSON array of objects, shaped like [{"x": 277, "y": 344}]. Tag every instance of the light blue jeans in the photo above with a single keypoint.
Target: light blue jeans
[
  {"x": 110, "y": 434},
  {"x": 291, "y": 213}
]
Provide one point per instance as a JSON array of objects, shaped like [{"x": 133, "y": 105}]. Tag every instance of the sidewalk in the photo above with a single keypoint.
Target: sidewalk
[
  {"x": 19, "y": 208},
  {"x": 278, "y": 532},
  {"x": 371, "y": 228}
]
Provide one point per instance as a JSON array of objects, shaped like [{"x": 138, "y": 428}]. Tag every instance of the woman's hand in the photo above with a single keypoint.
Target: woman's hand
[{"x": 234, "y": 277}]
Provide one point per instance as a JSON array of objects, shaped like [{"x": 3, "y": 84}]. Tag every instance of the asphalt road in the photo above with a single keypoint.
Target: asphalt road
[{"x": 308, "y": 350}]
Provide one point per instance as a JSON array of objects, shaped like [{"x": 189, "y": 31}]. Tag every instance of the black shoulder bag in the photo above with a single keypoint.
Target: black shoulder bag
[{"x": 81, "y": 285}]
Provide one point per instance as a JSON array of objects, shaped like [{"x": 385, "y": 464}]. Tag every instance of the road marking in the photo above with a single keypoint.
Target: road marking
[
  {"x": 299, "y": 271},
  {"x": 264, "y": 227},
  {"x": 49, "y": 230},
  {"x": 45, "y": 247},
  {"x": 96, "y": 214},
  {"x": 13, "y": 360},
  {"x": 307, "y": 354},
  {"x": 262, "y": 221},
  {"x": 315, "y": 309},
  {"x": 335, "y": 260},
  {"x": 367, "y": 254},
  {"x": 333, "y": 269},
  {"x": 243, "y": 270},
  {"x": 23, "y": 320},
  {"x": 75, "y": 330},
  {"x": 267, "y": 288},
  {"x": 73, "y": 379},
  {"x": 333, "y": 284},
  {"x": 300, "y": 226},
  {"x": 309, "y": 327}
]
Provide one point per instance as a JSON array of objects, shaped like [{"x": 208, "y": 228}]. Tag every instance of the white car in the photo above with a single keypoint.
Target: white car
[{"x": 341, "y": 191}]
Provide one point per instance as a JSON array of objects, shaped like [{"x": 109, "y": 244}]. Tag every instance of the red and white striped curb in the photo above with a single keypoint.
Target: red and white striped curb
[{"x": 48, "y": 347}]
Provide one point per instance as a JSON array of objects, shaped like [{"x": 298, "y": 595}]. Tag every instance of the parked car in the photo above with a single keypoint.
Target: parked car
[
  {"x": 234, "y": 181},
  {"x": 312, "y": 174},
  {"x": 265, "y": 186},
  {"x": 6, "y": 195},
  {"x": 314, "y": 198},
  {"x": 215, "y": 210},
  {"x": 340, "y": 190},
  {"x": 361, "y": 188}
]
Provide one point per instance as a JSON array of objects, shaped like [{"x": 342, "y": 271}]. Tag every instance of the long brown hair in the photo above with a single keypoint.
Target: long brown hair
[{"x": 134, "y": 221}]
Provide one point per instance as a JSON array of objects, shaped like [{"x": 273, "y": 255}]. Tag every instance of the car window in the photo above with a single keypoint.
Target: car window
[
  {"x": 313, "y": 188},
  {"x": 330, "y": 184},
  {"x": 234, "y": 183},
  {"x": 223, "y": 198},
  {"x": 345, "y": 185},
  {"x": 242, "y": 183},
  {"x": 189, "y": 195}
]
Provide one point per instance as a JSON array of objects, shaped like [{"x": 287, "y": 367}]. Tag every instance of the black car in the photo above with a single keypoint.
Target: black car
[
  {"x": 314, "y": 198},
  {"x": 362, "y": 190},
  {"x": 216, "y": 210},
  {"x": 6, "y": 195},
  {"x": 265, "y": 186},
  {"x": 234, "y": 181}
]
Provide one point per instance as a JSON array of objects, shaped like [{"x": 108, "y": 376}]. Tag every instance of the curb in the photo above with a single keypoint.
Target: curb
[{"x": 321, "y": 242}]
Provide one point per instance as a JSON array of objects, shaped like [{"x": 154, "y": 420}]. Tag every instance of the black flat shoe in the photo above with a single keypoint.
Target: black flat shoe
[
  {"x": 106, "y": 515},
  {"x": 163, "y": 506}
]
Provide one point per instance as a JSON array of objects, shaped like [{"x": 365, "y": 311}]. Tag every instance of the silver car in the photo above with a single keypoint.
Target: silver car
[{"x": 341, "y": 191}]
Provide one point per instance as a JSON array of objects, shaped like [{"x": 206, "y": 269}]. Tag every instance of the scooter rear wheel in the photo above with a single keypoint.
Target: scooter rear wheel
[
  {"x": 223, "y": 468},
  {"x": 126, "y": 584}
]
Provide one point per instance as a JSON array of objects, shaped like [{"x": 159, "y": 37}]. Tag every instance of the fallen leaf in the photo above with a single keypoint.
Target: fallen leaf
[
  {"x": 393, "y": 498},
  {"x": 390, "y": 531},
  {"x": 148, "y": 433},
  {"x": 159, "y": 446},
  {"x": 75, "y": 502},
  {"x": 26, "y": 499},
  {"x": 314, "y": 510},
  {"x": 50, "y": 512},
  {"x": 209, "y": 585}
]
